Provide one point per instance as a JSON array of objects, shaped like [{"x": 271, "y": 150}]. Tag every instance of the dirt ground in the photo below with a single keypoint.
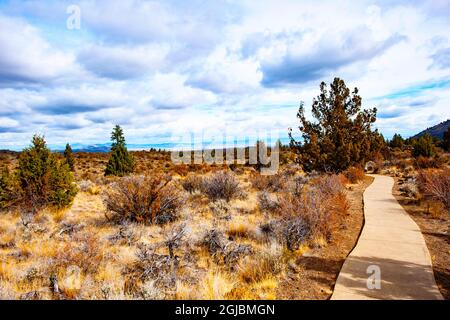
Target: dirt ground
[
  {"x": 435, "y": 231},
  {"x": 314, "y": 275}
]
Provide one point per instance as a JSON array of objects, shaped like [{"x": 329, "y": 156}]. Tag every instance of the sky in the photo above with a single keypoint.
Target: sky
[{"x": 163, "y": 69}]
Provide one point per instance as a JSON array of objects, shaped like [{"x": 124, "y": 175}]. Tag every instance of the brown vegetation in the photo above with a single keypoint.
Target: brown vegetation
[{"x": 158, "y": 234}]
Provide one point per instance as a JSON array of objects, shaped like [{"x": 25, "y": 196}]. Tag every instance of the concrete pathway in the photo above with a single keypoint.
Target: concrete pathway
[{"x": 391, "y": 248}]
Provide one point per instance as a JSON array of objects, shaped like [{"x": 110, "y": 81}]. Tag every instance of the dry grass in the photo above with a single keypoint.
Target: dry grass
[
  {"x": 241, "y": 229},
  {"x": 263, "y": 265},
  {"x": 233, "y": 245}
]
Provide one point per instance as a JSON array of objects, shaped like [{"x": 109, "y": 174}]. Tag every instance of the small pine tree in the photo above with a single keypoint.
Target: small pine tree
[
  {"x": 68, "y": 156},
  {"x": 121, "y": 161},
  {"x": 424, "y": 146},
  {"x": 397, "y": 141},
  {"x": 43, "y": 178}
]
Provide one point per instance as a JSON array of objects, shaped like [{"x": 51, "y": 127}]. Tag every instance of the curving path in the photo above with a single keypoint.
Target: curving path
[{"x": 390, "y": 245}]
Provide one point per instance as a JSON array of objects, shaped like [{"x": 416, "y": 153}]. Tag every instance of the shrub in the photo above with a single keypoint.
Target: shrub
[
  {"x": 222, "y": 185},
  {"x": 68, "y": 156},
  {"x": 121, "y": 162},
  {"x": 8, "y": 189},
  {"x": 220, "y": 209},
  {"x": 422, "y": 162},
  {"x": 273, "y": 183},
  {"x": 150, "y": 200},
  {"x": 43, "y": 178},
  {"x": 318, "y": 211},
  {"x": 260, "y": 266},
  {"x": 354, "y": 174},
  {"x": 267, "y": 202},
  {"x": 213, "y": 241},
  {"x": 424, "y": 146},
  {"x": 295, "y": 231},
  {"x": 84, "y": 252},
  {"x": 436, "y": 185},
  {"x": 192, "y": 183}
]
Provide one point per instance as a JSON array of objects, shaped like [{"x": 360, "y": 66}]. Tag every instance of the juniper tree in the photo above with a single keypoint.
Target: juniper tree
[
  {"x": 121, "y": 161},
  {"x": 68, "y": 156},
  {"x": 397, "y": 141},
  {"x": 341, "y": 136},
  {"x": 43, "y": 178},
  {"x": 424, "y": 146}
]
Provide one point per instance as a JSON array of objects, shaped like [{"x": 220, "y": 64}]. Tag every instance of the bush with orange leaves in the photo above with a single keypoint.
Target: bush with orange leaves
[
  {"x": 435, "y": 184},
  {"x": 354, "y": 174},
  {"x": 144, "y": 199},
  {"x": 317, "y": 212}
]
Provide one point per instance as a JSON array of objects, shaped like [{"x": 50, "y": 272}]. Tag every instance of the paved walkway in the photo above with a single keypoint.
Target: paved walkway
[{"x": 391, "y": 243}]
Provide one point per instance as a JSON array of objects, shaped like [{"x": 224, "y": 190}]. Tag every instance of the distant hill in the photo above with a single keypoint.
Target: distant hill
[
  {"x": 93, "y": 148},
  {"x": 437, "y": 131}
]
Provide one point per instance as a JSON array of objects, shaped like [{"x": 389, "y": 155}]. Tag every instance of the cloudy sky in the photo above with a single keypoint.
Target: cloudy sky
[{"x": 240, "y": 67}]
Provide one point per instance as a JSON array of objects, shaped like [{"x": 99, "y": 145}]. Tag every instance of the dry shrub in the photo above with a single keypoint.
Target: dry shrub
[
  {"x": 222, "y": 185},
  {"x": 220, "y": 209},
  {"x": 192, "y": 183},
  {"x": 318, "y": 211},
  {"x": 181, "y": 169},
  {"x": 274, "y": 183},
  {"x": 84, "y": 252},
  {"x": 213, "y": 241},
  {"x": 267, "y": 202},
  {"x": 409, "y": 189},
  {"x": 146, "y": 199},
  {"x": 428, "y": 162},
  {"x": 435, "y": 184},
  {"x": 354, "y": 174},
  {"x": 260, "y": 266}
]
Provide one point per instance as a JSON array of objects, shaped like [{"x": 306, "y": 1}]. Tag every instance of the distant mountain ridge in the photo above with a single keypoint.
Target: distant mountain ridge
[{"x": 436, "y": 131}]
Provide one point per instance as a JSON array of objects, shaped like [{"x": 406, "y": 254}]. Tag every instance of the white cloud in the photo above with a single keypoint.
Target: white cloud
[
  {"x": 26, "y": 57},
  {"x": 160, "y": 66}
]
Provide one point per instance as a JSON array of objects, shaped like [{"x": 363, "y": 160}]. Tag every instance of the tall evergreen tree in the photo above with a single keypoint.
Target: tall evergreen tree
[
  {"x": 121, "y": 161},
  {"x": 68, "y": 155},
  {"x": 341, "y": 136}
]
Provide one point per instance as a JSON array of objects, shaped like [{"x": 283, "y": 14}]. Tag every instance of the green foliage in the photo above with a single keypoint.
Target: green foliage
[
  {"x": 397, "y": 141},
  {"x": 446, "y": 141},
  {"x": 117, "y": 136},
  {"x": 121, "y": 161},
  {"x": 342, "y": 136},
  {"x": 424, "y": 146},
  {"x": 43, "y": 178},
  {"x": 68, "y": 155},
  {"x": 7, "y": 192}
]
